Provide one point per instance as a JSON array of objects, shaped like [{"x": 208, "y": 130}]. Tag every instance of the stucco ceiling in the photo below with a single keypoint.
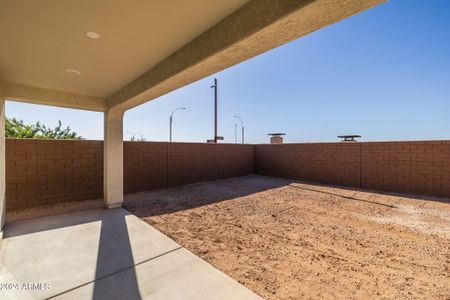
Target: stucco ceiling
[{"x": 41, "y": 39}]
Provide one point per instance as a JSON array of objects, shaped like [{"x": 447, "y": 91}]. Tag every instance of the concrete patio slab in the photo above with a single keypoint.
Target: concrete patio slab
[
  {"x": 176, "y": 275},
  {"x": 102, "y": 254}
]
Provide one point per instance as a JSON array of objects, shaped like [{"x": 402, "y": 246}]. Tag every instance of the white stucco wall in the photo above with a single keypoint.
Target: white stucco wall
[{"x": 2, "y": 160}]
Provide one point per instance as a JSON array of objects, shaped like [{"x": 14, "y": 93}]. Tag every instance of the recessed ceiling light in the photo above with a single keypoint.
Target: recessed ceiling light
[
  {"x": 93, "y": 35},
  {"x": 73, "y": 71}
]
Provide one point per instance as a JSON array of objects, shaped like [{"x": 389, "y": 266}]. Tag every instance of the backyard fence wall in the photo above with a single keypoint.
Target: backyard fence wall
[
  {"x": 153, "y": 165},
  {"x": 410, "y": 167},
  {"x": 51, "y": 171}
]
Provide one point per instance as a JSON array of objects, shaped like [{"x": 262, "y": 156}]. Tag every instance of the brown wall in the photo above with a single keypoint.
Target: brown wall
[
  {"x": 201, "y": 162},
  {"x": 336, "y": 163},
  {"x": 411, "y": 167},
  {"x": 144, "y": 166},
  {"x": 51, "y": 171},
  {"x": 153, "y": 165}
]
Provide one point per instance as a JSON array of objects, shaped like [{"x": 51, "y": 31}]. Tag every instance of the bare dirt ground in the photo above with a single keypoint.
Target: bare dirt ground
[{"x": 290, "y": 240}]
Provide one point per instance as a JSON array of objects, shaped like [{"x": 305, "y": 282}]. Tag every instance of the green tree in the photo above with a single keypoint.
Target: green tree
[{"x": 18, "y": 129}]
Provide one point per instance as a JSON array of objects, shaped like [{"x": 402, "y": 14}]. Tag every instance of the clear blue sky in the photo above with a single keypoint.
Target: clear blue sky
[{"x": 383, "y": 74}]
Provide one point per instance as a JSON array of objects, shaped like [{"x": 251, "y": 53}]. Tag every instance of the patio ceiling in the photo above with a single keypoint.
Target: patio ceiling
[
  {"x": 146, "y": 48},
  {"x": 42, "y": 39}
]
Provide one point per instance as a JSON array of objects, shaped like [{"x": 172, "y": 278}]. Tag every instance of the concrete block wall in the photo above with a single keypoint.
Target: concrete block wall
[
  {"x": 195, "y": 162},
  {"x": 410, "y": 167},
  {"x": 144, "y": 166},
  {"x": 51, "y": 171},
  {"x": 335, "y": 163},
  {"x": 42, "y": 172},
  {"x": 153, "y": 165}
]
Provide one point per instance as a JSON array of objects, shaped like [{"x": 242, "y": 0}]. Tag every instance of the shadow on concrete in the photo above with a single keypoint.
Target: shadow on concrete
[
  {"x": 114, "y": 254},
  {"x": 52, "y": 222},
  {"x": 114, "y": 239}
]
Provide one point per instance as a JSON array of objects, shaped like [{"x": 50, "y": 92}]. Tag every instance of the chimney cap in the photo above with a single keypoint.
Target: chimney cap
[
  {"x": 349, "y": 137},
  {"x": 276, "y": 134}
]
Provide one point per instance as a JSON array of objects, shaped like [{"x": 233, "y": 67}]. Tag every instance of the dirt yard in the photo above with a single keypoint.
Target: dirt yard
[{"x": 290, "y": 240}]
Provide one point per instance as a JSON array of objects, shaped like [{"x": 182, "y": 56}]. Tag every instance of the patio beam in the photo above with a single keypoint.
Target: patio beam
[
  {"x": 257, "y": 27},
  {"x": 30, "y": 94},
  {"x": 2, "y": 160},
  {"x": 113, "y": 159}
]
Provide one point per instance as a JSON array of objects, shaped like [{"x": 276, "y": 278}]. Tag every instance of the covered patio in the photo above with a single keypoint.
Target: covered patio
[
  {"x": 110, "y": 57},
  {"x": 104, "y": 254}
]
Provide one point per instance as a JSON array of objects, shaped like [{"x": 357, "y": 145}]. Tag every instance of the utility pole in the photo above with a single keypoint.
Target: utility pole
[
  {"x": 216, "y": 137},
  {"x": 242, "y": 127},
  {"x": 215, "y": 109}
]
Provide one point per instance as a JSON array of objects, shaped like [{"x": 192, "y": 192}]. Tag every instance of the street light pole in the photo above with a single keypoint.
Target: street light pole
[
  {"x": 215, "y": 109},
  {"x": 235, "y": 133},
  {"x": 242, "y": 127},
  {"x": 171, "y": 120}
]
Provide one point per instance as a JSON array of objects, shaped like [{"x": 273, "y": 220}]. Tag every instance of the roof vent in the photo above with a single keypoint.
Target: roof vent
[{"x": 349, "y": 137}]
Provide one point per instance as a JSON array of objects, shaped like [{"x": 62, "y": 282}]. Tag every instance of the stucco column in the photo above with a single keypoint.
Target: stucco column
[
  {"x": 113, "y": 159},
  {"x": 2, "y": 161}
]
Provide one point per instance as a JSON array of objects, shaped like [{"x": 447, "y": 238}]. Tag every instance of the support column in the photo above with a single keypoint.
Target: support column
[
  {"x": 2, "y": 162},
  {"x": 113, "y": 159}
]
